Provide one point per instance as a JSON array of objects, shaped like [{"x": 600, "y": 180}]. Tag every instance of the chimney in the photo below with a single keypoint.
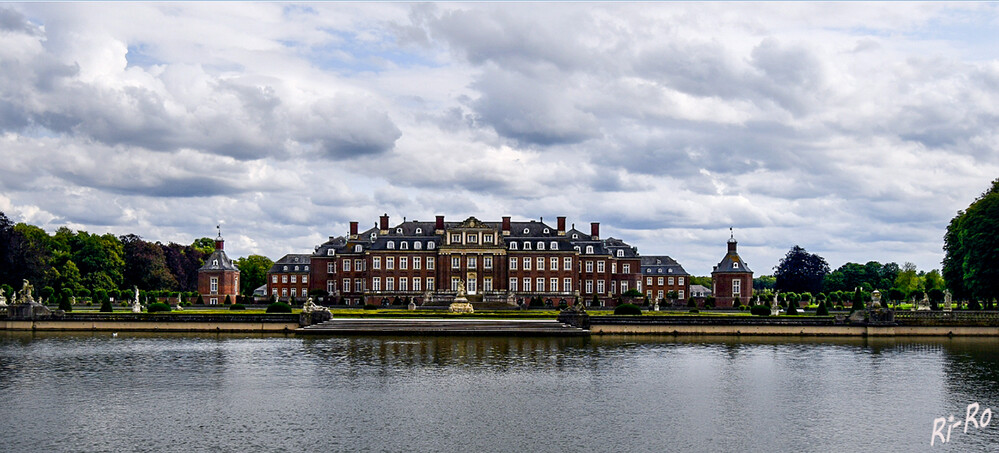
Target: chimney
[
  {"x": 383, "y": 224},
  {"x": 353, "y": 230},
  {"x": 506, "y": 225},
  {"x": 561, "y": 225},
  {"x": 595, "y": 230},
  {"x": 439, "y": 226}
]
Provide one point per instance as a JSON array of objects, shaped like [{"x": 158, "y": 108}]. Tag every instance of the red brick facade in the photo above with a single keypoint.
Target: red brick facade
[
  {"x": 218, "y": 277},
  {"x": 732, "y": 280}
]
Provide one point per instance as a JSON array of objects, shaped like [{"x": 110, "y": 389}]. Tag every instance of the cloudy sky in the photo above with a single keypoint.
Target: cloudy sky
[{"x": 855, "y": 130}]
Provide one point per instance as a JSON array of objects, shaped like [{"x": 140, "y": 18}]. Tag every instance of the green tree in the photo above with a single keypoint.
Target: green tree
[
  {"x": 800, "y": 271},
  {"x": 204, "y": 245},
  {"x": 227, "y": 301},
  {"x": 145, "y": 265},
  {"x": 99, "y": 258},
  {"x": 858, "y": 301},
  {"x": 971, "y": 246},
  {"x": 253, "y": 273},
  {"x": 763, "y": 282}
]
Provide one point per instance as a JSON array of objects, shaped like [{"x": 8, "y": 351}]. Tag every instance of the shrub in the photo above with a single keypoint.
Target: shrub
[
  {"x": 106, "y": 306},
  {"x": 397, "y": 301},
  {"x": 536, "y": 302},
  {"x": 692, "y": 303},
  {"x": 693, "y": 310},
  {"x": 46, "y": 293},
  {"x": 709, "y": 302},
  {"x": 822, "y": 310},
  {"x": 237, "y": 307},
  {"x": 157, "y": 307},
  {"x": 627, "y": 309},
  {"x": 792, "y": 308},
  {"x": 858, "y": 301},
  {"x": 201, "y": 300},
  {"x": 227, "y": 301},
  {"x": 84, "y": 292},
  {"x": 973, "y": 304},
  {"x": 281, "y": 307},
  {"x": 562, "y": 304},
  {"x": 760, "y": 310},
  {"x": 64, "y": 304},
  {"x": 632, "y": 293},
  {"x": 840, "y": 307}
]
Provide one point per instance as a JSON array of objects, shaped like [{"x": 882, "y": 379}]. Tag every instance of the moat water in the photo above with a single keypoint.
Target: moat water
[{"x": 184, "y": 392}]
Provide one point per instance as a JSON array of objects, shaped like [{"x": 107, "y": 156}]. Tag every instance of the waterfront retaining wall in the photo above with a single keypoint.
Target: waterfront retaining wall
[{"x": 158, "y": 323}]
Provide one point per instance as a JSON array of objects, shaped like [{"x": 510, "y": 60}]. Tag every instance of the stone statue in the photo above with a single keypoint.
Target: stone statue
[
  {"x": 774, "y": 306},
  {"x": 24, "y": 296},
  {"x": 948, "y": 301},
  {"x": 876, "y": 299},
  {"x": 426, "y": 298},
  {"x": 924, "y": 304},
  {"x": 72, "y": 300},
  {"x": 461, "y": 290},
  {"x": 460, "y": 304},
  {"x": 136, "y": 307},
  {"x": 3, "y": 300}
]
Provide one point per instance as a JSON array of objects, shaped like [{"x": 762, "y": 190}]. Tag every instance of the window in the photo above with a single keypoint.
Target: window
[
  {"x": 417, "y": 261},
  {"x": 527, "y": 284},
  {"x": 613, "y": 268},
  {"x": 455, "y": 262},
  {"x": 346, "y": 285},
  {"x": 589, "y": 249},
  {"x": 736, "y": 287},
  {"x": 735, "y": 265},
  {"x": 488, "y": 239},
  {"x": 470, "y": 285},
  {"x": 527, "y": 245},
  {"x": 589, "y": 266},
  {"x": 357, "y": 248},
  {"x": 430, "y": 284},
  {"x": 296, "y": 267},
  {"x": 330, "y": 252},
  {"x": 554, "y": 264},
  {"x": 487, "y": 284},
  {"x": 680, "y": 280},
  {"x": 373, "y": 236},
  {"x": 513, "y": 246},
  {"x": 600, "y": 286},
  {"x": 430, "y": 263},
  {"x": 403, "y": 284},
  {"x": 398, "y": 231},
  {"x": 403, "y": 262},
  {"x": 431, "y": 245},
  {"x": 575, "y": 236},
  {"x": 553, "y": 284},
  {"x": 214, "y": 283},
  {"x": 589, "y": 287},
  {"x": 547, "y": 231},
  {"x": 472, "y": 262},
  {"x": 389, "y": 262},
  {"x": 274, "y": 279},
  {"x": 541, "y": 263},
  {"x": 566, "y": 285},
  {"x": 659, "y": 294},
  {"x": 626, "y": 268},
  {"x": 330, "y": 267},
  {"x": 417, "y": 245},
  {"x": 670, "y": 280},
  {"x": 390, "y": 245},
  {"x": 294, "y": 293},
  {"x": 567, "y": 264},
  {"x": 376, "y": 284},
  {"x": 472, "y": 239},
  {"x": 513, "y": 263},
  {"x": 404, "y": 245},
  {"x": 670, "y": 271},
  {"x": 541, "y": 245},
  {"x": 376, "y": 262},
  {"x": 456, "y": 239},
  {"x": 417, "y": 283},
  {"x": 487, "y": 262},
  {"x": 624, "y": 287},
  {"x": 358, "y": 265},
  {"x": 576, "y": 248},
  {"x": 293, "y": 278},
  {"x": 284, "y": 279},
  {"x": 553, "y": 246},
  {"x": 648, "y": 281},
  {"x": 613, "y": 288},
  {"x": 527, "y": 264},
  {"x": 454, "y": 283},
  {"x": 389, "y": 284},
  {"x": 285, "y": 268},
  {"x": 540, "y": 284},
  {"x": 513, "y": 283},
  {"x": 346, "y": 265},
  {"x": 358, "y": 285},
  {"x": 330, "y": 286},
  {"x": 526, "y": 231},
  {"x": 680, "y": 294},
  {"x": 600, "y": 266},
  {"x": 419, "y": 231},
  {"x": 284, "y": 292}
]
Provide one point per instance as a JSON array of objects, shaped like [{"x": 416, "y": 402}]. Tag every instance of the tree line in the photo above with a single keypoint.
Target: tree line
[{"x": 79, "y": 263}]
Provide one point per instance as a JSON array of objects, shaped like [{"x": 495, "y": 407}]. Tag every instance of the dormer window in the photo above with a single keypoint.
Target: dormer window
[
  {"x": 306, "y": 267},
  {"x": 735, "y": 265},
  {"x": 575, "y": 236},
  {"x": 390, "y": 245},
  {"x": 456, "y": 239},
  {"x": 620, "y": 253},
  {"x": 472, "y": 239},
  {"x": 660, "y": 270},
  {"x": 417, "y": 245},
  {"x": 670, "y": 271},
  {"x": 554, "y": 245},
  {"x": 357, "y": 248},
  {"x": 541, "y": 245},
  {"x": 431, "y": 245},
  {"x": 330, "y": 252},
  {"x": 513, "y": 246},
  {"x": 527, "y": 246},
  {"x": 527, "y": 230},
  {"x": 547, "y": 231},
  {"x": 404, "y": 245},
  {"x": 285, "y": 268},
  {"x": 589, "y": 249},
  {"x": 216, "y": 263},
  {"x": 296, "y": 268},
  {"x": 488, "y": 238},
  {"x": 419, "y": 231},
  {"x": 398, "y": 231},
  {"x": 576, "y": 248},
  {"x": 374, "y": 236}
]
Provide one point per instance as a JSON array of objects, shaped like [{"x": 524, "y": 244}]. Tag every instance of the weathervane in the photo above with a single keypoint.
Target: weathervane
[
  {"x": 731, "y": 233},
  {"x": 219, "y": 227}
]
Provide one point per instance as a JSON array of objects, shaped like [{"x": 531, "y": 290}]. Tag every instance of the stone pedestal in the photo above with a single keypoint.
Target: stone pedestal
[{"x": 460, "y": 305}]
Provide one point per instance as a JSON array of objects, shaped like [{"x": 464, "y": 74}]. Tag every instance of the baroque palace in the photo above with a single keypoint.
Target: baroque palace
[{"x": 497, "y": 262}]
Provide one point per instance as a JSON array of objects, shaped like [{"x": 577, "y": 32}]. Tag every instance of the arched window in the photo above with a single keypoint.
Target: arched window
[
  {"x": 526, "y": 230},
  {"x": 357, "y": 248},
  {"x": 541, "y": 245},
  {"x": 547, "y": 231},
  {"x": 431, "y": 245},
  {"x": 527, "y": 245},
  {"x": 404, "y": 245},
  {"x": 398, "y": 231},
  {"x": 374, "y": 236},
  {"x": 390, "y": 245},
  {"x": 513, "y": 246},
  {"x": 553, "y": 245},
  {"x": 576, "y": 247},
  {"x": 417, "y": 245},
  {"x": 575, "y": 236},
  {"x": 620, "y": 253},
  {"x": 419, "y": 231},
  {"x": 589, "y": 249}
]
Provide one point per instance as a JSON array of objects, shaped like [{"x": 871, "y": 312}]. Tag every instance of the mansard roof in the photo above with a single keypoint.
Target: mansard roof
[
  {"x": 288, "y": 264},
  {"x": 661, "y": 264}
]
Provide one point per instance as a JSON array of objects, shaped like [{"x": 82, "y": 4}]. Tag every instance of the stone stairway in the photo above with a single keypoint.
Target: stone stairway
[{"x": 442, "y": 326}]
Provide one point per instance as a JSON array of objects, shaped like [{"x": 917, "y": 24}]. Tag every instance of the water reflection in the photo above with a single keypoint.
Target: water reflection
[{"x": 280, "y": 392}]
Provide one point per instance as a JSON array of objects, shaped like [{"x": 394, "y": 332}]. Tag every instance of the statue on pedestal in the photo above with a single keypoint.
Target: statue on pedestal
[
  {"x": 3, "y": 300},
  {"x": 774, "y": 306},
  {"x": 136, "y": 306},
  {"x": 24, "y": 296},
  {"x": 460, "y": 304},
  {"x": 948, "y": 301},
  {"x": 924, "y": 304},
  {"x": 876, "y": 299}
]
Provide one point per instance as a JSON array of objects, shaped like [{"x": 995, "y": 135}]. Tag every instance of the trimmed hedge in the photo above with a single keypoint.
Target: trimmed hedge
[
  {"x": 279, "y": 307},
  {"x": 760, "y": 310},
  {"x": 627, "y": 309},
  {"x": 105, "y": 306},
  {"x": 237, "y": 307},
  {"x": 157, "y": 307},
  {"x": 371, "y": 307}
]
